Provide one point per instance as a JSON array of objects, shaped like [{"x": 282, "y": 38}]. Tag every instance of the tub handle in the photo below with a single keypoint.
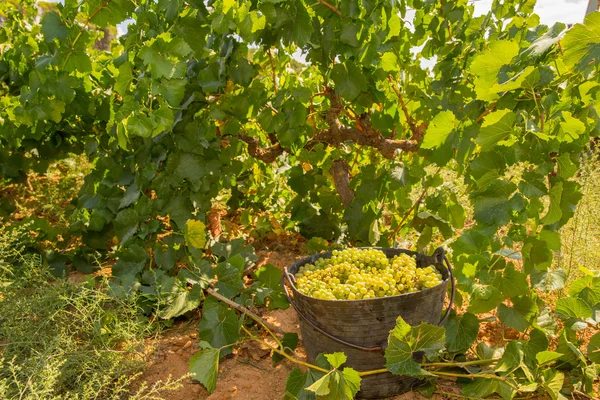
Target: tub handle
[
  {"x": 452, "y": 292},
  {"x": 440, "y": 257}
]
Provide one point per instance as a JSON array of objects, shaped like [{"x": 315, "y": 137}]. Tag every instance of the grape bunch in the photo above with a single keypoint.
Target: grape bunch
[{"x": 354, "y": 274}]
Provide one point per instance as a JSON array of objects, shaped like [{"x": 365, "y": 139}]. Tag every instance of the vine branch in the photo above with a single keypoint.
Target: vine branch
[
  {"x": 244, "y": 310},
  {"x": 415, "y": 204},
  {"x": 363, "y": 134},
  {"x": 486, "y": 112},
  {"x": 332, "y": 8}
]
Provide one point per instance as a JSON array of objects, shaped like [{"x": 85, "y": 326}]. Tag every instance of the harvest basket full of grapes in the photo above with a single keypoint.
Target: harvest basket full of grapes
[{"x": 349, "y": 300}]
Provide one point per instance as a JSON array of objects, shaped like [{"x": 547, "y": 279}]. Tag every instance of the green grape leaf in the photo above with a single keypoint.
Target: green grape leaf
[
  {"x": 497, "y": 126},
  {"x": 126, "y": 225},
  {"x": 484, "y": 298},
  {"x": 389, "y": 62},
  {"x": 573, "y": 308},
  {"x": 461, "y": 332},
  {"x": 348, "y": 34},
  {"x": 53, "y": 27},
  {"x": 553, "y": 382},
  {"x": 486, "y": 66},
  {"x": 172, "y": 90},
  {"x": 538, "y": 342},
  {"x": 570, "y": 128},
  {"x": 132, "y": 194},
  {"x": 394, "y": 26},
  {"x": 103, "y": 13},
  {"x": 554, "y": 213},
  {"x": 586, "y": 288},
  {"x": 439, "y": 129},
  {"x": 243, "y": 73},
  {"x": 298, "y": 381},
  {"x": 181, "y": 300},
  {"x": 479, "y": 388},
  {"x": 139, "y": 124},
  {"x": 349, "y": 80},
  {"x": 204, "y": 366},
  {"x": 195, "y": 234},
  {"x": 161, "y": 65},
  {"x": 511, "y": 282},
  {"x": 593, "y": 349},
  {"x": 571, "y": 353},
  {"x": 520, "y": 315},
  {"x": 336, "y": 359},
  {"x": 337, "y": 385},
  {"x": 219, "y": 325},
  {"x": 566, "y": 167},
  {"x": 549, "y": 280},
  {"x": 302, "y": 27},
  {"x": 229, "y": 279},
  {"x": 237, "y": 246},
  {"x": 512, "y": 357},
  {"x": 404, "y": 340},
  {"x": 546, "y": 357},
  {"x": 269, "y": 276},
  {"x": 581, "y": 44}
]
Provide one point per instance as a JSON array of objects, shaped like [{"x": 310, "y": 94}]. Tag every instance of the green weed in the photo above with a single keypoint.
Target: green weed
[{"x": 60, "y": 340}]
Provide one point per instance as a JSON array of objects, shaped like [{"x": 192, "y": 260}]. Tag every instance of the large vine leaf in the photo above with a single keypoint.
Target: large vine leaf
[
  {"x": 337, "y": 384},
  {"x": 439, "y": 129},
  {"x": 405, "y": 340},
  {"x": 496, "y": 127},
  {"x": 229, "y": 279},
  {"x": 219, "y": 325},
  {"x": 520, "y": 315},
  {"x": 195, "y": 234},
  {"x": 484, "y": 298},
  {"x": 204, "y": 366},
  {"x": 582, "y": 43},
  {"x": 269, "y": 276},
  {"x": 511, "y": 282},
  {"x": 486, "y": 66},
  {"x": 461, "y": 332},
  {"x": 593, "y": 349},
  {"x": 349, "y": 80},
  {"x": 573, "y": 307}
]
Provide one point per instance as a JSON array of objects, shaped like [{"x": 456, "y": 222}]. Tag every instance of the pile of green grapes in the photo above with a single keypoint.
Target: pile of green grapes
[{"x": 354, "y": 274}]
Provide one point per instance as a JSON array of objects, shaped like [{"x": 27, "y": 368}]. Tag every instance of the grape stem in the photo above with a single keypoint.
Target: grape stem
[
  {"x": 460, "y": 364},
  {"x": 283, "y": 353}
]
